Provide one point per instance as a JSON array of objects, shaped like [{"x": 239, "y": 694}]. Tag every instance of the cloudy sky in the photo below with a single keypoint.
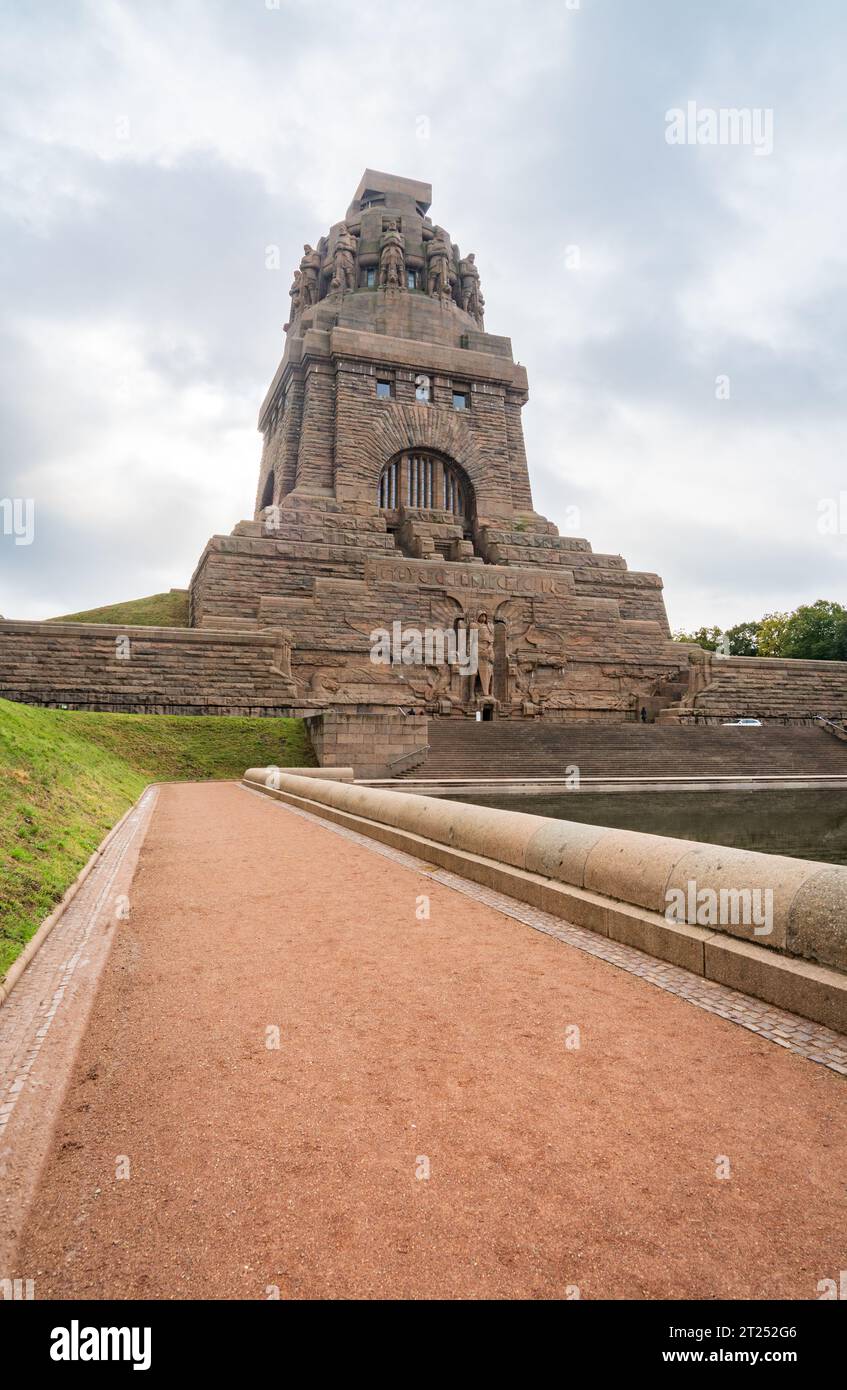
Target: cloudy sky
[{"x": 680, "y": 308}]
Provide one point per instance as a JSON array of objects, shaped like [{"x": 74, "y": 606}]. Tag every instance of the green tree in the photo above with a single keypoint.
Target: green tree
[
  {"x": 772, "y": 633},
  {"x": 706, "y": 637},
  {"x": 817, "y": 631},
  {"x": 743, "y": 639}
]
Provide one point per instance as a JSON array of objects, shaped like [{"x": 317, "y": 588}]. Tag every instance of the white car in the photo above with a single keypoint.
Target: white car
[{"x": 742, "y": 724}]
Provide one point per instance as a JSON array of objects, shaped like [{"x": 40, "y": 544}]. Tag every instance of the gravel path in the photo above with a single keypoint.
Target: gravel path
[{"x": 409, "y": 1047}]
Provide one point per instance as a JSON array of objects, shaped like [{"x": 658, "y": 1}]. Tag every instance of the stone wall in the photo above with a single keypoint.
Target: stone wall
[
  {"x": 144, "y": 670},
  {"x": 373, "y": 744},
  {"x": 775, "y": 690}
]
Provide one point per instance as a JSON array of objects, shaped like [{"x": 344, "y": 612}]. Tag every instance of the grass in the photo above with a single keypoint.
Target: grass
[
  {"x": 66, "y": 778},
  {"x": 159, "y": 610}
]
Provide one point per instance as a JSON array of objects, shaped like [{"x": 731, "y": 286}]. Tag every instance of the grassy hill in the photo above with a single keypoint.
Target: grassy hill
[
  {"x": 66, "y": 778},
  {"x": 159, "y": 610}
]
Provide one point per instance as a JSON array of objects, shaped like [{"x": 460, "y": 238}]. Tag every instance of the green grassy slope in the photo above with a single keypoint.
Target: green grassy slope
[
  {"x": 159, "y": 610},
  {"x": 66, "y": 778}
]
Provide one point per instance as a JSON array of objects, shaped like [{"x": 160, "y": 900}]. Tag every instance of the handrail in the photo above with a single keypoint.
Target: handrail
[
  {"x": 411, "y": 754},
  {"x": 836, "y": 730}
]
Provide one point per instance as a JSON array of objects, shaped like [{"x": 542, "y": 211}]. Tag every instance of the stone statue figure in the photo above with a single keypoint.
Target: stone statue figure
[
  {"x": 310, "y": 270},
  {"x": 296, "y": 293},
  {"x": 344, "y": 260},
  {"x": 439, "y": 256},
  {"x": 485, "y": 653},
  {"x": 472, "y": 300},
  {"x": 392, "y": 257}
]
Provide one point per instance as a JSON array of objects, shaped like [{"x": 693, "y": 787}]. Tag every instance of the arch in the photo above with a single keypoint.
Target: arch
[
  {"x": 414, "y": 428},
  {"x": 425, "y": 480},
  {"x": 267, "y": 495}
]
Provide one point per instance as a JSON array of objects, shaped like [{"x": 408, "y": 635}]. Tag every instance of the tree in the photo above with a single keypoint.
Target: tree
[
  {"x": 772, "y": 633},
  {"x": 743, "y": 639},
  {"x": 817, "y": 631},
  {"x": 705, "y": 637},
  {"x": 814, "y": 632}
]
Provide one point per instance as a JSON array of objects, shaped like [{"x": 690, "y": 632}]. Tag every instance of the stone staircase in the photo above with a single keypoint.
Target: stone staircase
[{"x": 466, "y": 748}]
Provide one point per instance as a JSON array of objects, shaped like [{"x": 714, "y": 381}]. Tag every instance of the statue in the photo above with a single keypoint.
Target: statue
[
  {"x": 310, "y": 269},
  {"x": 485, "y": 653},
  {"x": 472, "y": 300},
  {"x": 439, "y": 256},
  {"x": 392, "y": 257},
  {"x": 296, "y": 293},
  {"x": 344, "y": 260}
]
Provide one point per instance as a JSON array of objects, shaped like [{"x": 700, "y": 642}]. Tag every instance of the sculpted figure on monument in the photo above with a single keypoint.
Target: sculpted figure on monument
[
  {"x": 472, "y": 300},
  {"x": 485, "y": 652},
  {"x": 392, "y": 257},
  {"x": 296, "y": 293},
  {"x": 344, "y": 260},
  {"x": 310, "y": 269},
  {"x": 439, "y": 255}
]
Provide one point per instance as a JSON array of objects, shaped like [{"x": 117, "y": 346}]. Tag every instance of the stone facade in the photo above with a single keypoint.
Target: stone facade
[
  {"x": 775, "y": 690},
  {"x": 394, "y": 488},
  {"x": 394, "y": 497}
]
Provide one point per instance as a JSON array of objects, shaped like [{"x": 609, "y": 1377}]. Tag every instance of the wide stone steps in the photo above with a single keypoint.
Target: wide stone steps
[{"x": 466, "y": 748}]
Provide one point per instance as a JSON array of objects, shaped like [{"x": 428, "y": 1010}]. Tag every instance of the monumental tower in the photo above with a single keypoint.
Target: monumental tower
[
  {"x": 393, "y": 497},
  {"x": 393, "y": 488}
]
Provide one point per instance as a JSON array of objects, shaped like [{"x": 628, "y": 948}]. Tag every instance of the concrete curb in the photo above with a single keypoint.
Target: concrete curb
[
  {"x": 803, "y": 987},
  {"x": 33, "y": 946}
]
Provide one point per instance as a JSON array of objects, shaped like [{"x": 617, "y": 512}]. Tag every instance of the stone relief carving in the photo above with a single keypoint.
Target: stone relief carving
[
  {"x": 485, "y": 652},
  {"x": 472, "y": 300},
  {"x": 439, "y": 259},
  {"x": 310, "y": 270},
  {"x": 296, "y": 294},
  {"x": 344, "y": 261},
  {"x": 392, "y": 257}
]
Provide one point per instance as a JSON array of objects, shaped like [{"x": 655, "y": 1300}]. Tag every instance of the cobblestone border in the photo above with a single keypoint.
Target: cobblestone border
[
  {"x": 810, "y": 1040},
  {"x": 28, "y": 1013}
]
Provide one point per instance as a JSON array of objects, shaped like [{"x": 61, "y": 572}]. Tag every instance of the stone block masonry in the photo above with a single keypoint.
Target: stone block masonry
[{"x": 393, "y": 488}]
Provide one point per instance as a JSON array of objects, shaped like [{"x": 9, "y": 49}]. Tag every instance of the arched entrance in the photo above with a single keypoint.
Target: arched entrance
[
  {"x": 428, "y": 503},
  {"x": 423, "y": 480}
]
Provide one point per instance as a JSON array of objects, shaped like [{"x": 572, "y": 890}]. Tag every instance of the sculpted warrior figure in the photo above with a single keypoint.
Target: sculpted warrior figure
[
  {"x": 310, "y": 269},
  {"x": 485, "y": 653},
  {"x": 344, "y": 260},
  {"x": 392, "y": 256},
  {"x": 296, "y": 293},
  {"x": 439, "y": 255},
  {"x": 472, "y": 300}
]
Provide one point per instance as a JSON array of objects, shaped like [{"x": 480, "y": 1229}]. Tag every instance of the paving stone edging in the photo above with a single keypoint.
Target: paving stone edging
[
  {"x": 492, "y": 840},
  {"x": 33, "y": 946}
]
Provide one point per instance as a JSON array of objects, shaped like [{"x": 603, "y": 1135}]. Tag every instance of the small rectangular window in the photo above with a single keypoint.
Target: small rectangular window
[
  {"x": 370, "y": 276},
  {"x": 460, "y": 400},
  {"x": 384, "y": 390},
  {"x": 411, "y": 279}
]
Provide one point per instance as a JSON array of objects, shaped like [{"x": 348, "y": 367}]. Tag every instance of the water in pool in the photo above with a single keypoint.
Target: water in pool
[{"x": 809, "y": 823}]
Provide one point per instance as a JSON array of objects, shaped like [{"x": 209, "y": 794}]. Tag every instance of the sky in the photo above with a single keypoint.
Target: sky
[{"x": 680, "y": 307}]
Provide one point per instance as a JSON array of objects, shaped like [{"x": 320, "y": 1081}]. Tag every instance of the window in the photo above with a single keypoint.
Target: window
[
  {"x": 420, "y": 474},
  {"x": 370, "y": 277},
  {"x": 460, "y": 400},
  {"x": 422, "y": 388},
  {"x": 389, "y": 485},
  {"x": 454, "y": 492},
  {"x": 384, "y": 390},
  {"x": 411, "y": 279},
  {"x": 427, "y": 482}
]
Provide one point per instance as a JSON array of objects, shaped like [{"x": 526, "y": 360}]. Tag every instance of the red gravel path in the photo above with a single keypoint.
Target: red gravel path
[{"x": 296, "y": 1167}]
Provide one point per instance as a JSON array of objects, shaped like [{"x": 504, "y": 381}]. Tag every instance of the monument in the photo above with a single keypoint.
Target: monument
[
  {"x": 394, "y": 502},
  {"x": 393, "y": 488}
]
